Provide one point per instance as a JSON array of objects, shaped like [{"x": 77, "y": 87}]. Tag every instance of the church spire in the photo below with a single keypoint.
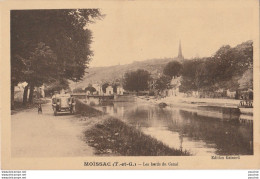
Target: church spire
[{"x": 180, "y": 56}]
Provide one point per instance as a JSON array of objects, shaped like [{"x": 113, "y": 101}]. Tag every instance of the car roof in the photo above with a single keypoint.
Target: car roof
[{"x": 62, "y": 96}]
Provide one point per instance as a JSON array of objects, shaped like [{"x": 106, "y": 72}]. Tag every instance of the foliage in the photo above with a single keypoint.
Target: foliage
[
  {"x": 115, "y": 85},
  {"x": 79, "y": 90},
  {"x": 104, "y": 87},
  {"x": 137, "y": 80},
  {"x": 90, "y": 89},
  {"x": 221, "y": 71},
  {"x": 48, "y": 44},
  {"x": 56, "y": 85},
  {"x": 62, "y": 30},
  {"x": 163, "y": 83},
  {"x": 173, "y": 69},
  {"x": 189, "y": 75},
  {"x": 40, "y": 66},
  {"x": 246, "y": 82},
  {"x": 114, "y": 136}
]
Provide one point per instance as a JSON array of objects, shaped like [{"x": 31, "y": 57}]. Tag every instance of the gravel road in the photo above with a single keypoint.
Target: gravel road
[{"x": 46, "y": 135}]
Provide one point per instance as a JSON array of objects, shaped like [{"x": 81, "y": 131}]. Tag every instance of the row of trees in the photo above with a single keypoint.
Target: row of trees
[
  {"x": 137, "y": 80},
  {"x": 141, "y": 80},
  {"x": 49, "y": 46},
  {"x": 229, "y": 69}
]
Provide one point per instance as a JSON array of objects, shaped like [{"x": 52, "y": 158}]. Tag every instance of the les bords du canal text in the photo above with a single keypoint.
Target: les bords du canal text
[
  {"x": 133, "y": 164},
  {"x": 129, "y": 164}
]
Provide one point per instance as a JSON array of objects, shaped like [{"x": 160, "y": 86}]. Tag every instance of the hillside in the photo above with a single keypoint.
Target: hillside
[
  {"x": 222, "y": 70},
  {"x": 112, "y": 73}
]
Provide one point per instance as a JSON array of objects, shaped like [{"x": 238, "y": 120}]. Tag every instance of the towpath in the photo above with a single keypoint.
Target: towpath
[{"x": 46, "y": 135}]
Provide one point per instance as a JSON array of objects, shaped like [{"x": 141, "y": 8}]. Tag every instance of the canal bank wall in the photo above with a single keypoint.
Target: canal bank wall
[
  {"x": 220, "y": 108},
  {"x": 97, "y": 100},
  {"x": 112, "y": 136}
]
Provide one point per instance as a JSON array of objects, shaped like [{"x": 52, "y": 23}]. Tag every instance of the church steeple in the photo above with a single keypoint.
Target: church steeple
[{"x": 180, "y": 56}]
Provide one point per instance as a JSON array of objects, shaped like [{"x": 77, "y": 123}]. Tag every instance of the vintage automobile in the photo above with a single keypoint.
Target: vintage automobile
[{"x": 63, "y": 103}]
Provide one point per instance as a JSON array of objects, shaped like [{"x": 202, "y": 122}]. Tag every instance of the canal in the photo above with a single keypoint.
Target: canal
[{"x": 187, "y": 129}]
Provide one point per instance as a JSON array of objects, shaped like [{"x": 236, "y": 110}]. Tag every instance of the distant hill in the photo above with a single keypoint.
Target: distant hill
[
  {"x": 112, "y": 73},
  {"x": 242, "y": 56}
]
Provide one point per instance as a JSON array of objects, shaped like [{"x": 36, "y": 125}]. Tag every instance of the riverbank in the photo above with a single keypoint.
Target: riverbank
[
  {"x": 194, "y": 103},
  {"x": 111, "y": 136},
  {"x": 114, "y": 136}
]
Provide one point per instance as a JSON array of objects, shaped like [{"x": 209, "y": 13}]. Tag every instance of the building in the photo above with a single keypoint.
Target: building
[
  {"x": 40, "y": 92},
  {"x": 174, "y": 91},
  {"x": 231, "y": 94},
  {"x": 88, "y": 92},
  {"x": 109, "y": 90},
  {"x": 98, "y": 88},
  {"x": 180, "y": 56},
  {"x": 119, "y": 90},
  {"x": 175, "y": 82},
  {"x": 195, "y": 94},
  {"x": 18, "y": 92}
]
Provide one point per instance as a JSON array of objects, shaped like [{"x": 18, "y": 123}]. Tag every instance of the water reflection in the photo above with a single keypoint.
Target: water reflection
[{"x": 188, "y": 129}]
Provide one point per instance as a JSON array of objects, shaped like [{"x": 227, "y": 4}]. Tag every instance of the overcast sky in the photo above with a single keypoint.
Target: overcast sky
[{"x": 133, "y": 34}]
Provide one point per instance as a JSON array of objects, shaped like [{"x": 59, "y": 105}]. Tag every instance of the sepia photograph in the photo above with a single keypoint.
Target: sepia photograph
[{"x": 133, "y": 81}]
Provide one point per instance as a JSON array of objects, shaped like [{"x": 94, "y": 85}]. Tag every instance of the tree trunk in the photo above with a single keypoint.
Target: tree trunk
[
  {"x": 31, "y": 93},
  {"x": 12, "y": 95},
  {"x": 25, "y": 94}
]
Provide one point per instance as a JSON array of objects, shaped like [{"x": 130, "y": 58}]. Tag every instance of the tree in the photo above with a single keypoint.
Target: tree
[
  {"x": 221, "y": 71},
  {"x": 40, "y": 68},
  {"x": 56, "y": 85},
  {"x": 115, "y": 85},
  {"x": 224, "y": 59},
  {"x": 78, "y": 90},
  {"x": 231, "y": 63},
  {"x": 137, "y": 80},
  {"x": 173, "y": 69},
  {"x": 162, "y": 83},
  {"x": 91, "y": 89},
  {"x": 104, "y": 87},
  {"x": 189, "y": 72},
  {"x": 205, "y": 75},
  {"x": 246, "y": 82},
  {"x": 63, "y": 31}
]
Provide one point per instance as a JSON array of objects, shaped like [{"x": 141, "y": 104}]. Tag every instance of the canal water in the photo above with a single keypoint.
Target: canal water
[{"x": 187, "y": 129}]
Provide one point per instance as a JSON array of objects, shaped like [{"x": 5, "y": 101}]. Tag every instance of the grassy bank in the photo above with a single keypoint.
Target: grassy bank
[
  {"x": 113, "y": 136},
  {"x": 85, "y": 110}
]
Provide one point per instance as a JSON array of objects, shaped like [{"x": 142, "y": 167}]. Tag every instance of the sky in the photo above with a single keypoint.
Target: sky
[{"x": 136, "y": 33}]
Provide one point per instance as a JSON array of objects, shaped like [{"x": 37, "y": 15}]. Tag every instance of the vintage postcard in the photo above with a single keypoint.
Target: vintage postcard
[{"x": 130, "y": 85}]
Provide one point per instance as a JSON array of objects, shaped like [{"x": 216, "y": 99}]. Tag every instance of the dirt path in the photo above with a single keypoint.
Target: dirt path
[{"x": 46, "y": 135}]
